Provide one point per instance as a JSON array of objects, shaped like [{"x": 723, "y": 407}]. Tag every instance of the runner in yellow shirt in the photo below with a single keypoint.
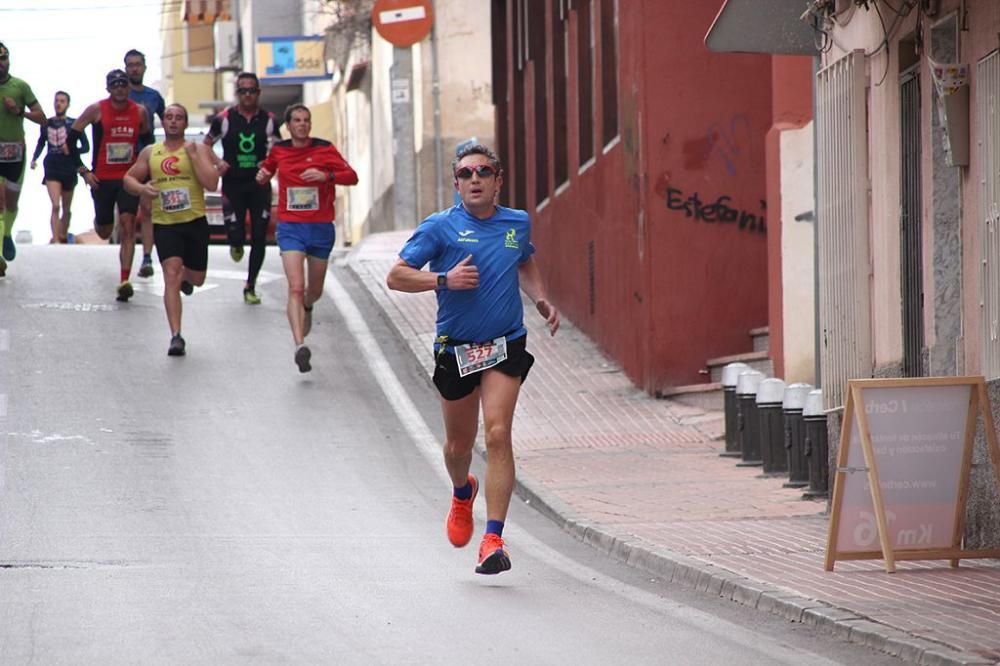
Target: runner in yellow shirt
[{"x": 179, "y": 172}]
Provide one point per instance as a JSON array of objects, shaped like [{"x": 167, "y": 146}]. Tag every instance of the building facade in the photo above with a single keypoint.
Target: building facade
[
  {"x": 909, "y": 188},
  {"x": 640, "y": 155}
]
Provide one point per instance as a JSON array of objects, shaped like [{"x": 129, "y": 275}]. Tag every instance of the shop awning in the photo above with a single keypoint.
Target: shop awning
[
  {"x": 756, "y": 26},
  {"x": 205, "y": 11}
]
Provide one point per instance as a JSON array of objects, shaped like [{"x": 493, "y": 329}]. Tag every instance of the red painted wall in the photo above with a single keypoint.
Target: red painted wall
[{"x": 673, "y": 285}]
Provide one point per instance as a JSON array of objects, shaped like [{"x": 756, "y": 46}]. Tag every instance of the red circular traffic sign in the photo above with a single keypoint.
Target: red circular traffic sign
[{"x": 402, "y": 22}]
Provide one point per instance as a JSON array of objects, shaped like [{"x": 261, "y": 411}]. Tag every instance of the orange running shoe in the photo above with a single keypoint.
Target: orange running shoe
[
  {"x": 493, "y": 556},
  {"x": 460, "y": 521}
]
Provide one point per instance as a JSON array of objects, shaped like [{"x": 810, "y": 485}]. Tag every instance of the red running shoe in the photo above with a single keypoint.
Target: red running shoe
[
  {"x": 493, "y": 556},
  {"x": 460, "y": 523}
]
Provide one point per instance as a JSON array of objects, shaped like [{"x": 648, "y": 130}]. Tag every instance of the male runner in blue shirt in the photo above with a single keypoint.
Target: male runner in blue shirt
[
  {"x": 152, "y": 100},
  {"x": 480, "y": 254}
]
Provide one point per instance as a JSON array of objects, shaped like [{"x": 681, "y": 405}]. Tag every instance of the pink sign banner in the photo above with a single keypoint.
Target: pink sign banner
[{"x": 918, "y": 438}]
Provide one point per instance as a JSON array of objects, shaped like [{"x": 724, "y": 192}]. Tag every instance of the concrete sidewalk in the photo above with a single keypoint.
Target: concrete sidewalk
[{"x": 642, "y": 479}]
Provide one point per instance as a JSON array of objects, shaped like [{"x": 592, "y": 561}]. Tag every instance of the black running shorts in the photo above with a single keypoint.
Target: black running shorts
[
  {"x": 12, "y": 171},
  {"x": 108, "y": 194},
  {"x": 453, "y": 387},
  {"x": 187, "y": 240},
  {"x": 67, "y": 180}
]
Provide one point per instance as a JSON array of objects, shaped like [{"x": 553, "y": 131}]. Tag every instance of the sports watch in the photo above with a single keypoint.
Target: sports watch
[{"x": 442, "y": 281}]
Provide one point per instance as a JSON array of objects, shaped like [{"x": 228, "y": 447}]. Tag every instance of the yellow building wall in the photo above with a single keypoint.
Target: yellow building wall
[{"x": 183, "y": 84}]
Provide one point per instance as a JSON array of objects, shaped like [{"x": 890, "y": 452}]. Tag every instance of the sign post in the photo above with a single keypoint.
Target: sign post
[
  {"x": 403, "y": 23},
  {"x": 902, "y": 475}
]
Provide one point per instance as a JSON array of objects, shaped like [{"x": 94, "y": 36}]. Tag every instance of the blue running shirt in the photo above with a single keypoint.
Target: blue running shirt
[
  {"x": 498, "y": 245},
  {"x": 152, "y": 100}
]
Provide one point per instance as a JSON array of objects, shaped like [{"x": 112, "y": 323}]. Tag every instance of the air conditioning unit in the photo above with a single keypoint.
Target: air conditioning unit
[{"x": 227, "y": 45}]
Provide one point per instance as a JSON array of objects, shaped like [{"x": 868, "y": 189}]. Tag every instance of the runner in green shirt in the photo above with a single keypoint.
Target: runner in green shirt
[{"x": 17, "y": 102}]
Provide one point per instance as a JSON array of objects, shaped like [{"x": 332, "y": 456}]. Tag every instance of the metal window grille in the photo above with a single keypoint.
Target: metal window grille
[
  {"x": 988, "y": 140},
  {"x": 844, "y": 263},
  {"x": 911, "y": 219}
]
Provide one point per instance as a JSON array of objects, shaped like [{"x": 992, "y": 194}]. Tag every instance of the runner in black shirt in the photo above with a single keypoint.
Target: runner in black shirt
[
  {"x": 60, "y": 169},
  {"x": 246, "y": 132}
]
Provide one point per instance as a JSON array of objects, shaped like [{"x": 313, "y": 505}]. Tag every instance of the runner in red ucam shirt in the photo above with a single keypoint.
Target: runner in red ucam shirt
[{"x": 308, "y": 170}]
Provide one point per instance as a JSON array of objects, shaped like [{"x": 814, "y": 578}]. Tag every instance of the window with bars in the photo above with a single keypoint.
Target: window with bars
[
  {"x": 559, "y": 78},
  {"x": 200, "y": 51},
  {"x": 609, "y": 70},
  {"x": 536, "y": 53},
  {"x": 585, "y": 78}
]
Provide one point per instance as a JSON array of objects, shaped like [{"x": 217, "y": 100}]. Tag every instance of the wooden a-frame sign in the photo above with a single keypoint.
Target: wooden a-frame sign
[{"x": 902, "y": 477}]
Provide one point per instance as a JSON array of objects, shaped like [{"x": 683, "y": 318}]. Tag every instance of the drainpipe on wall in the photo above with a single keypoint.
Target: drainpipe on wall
[{"x": 818, "y": 332}]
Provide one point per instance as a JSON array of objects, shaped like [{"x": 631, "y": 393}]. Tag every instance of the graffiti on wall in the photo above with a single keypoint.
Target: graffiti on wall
[
  {"x": 720, "y": 211},
  {"x": 727, "y": 142}
]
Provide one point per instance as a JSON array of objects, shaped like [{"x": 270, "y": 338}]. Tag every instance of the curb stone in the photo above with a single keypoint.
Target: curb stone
[{"x": 706, "y": 577}]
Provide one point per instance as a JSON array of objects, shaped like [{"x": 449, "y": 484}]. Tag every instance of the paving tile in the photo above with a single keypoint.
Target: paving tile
[{"x": 642, "y": 478}]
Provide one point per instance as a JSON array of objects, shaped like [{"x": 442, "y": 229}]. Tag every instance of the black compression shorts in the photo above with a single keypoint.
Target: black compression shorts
[
  {"x": 187, "y": 240},
  {"x": 67, "y": 180},
  {"x": 108, "y": 194},
  {"x": 12, "y": 171}
]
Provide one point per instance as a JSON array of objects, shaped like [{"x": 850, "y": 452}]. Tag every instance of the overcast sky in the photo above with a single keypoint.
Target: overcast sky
[{"x": 71, "y": 45}]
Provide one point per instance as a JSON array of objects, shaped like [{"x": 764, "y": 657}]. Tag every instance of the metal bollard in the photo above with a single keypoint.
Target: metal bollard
[
  {"x": 730, "y": 374},
  {"x": 816, "y": 448},
  {"x": 747, "y": 422},
  {"x": 798, "y": 464},
  {"x": 772, "y": 429}
]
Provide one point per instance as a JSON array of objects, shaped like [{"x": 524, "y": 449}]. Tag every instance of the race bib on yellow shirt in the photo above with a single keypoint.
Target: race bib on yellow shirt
[
  {"x": 303, "y": 198},
  {"x": 175, "y": 200}
]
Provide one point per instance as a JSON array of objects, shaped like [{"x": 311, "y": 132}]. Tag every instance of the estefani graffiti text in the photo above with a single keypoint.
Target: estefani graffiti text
[{"x": 720, "y": 210}]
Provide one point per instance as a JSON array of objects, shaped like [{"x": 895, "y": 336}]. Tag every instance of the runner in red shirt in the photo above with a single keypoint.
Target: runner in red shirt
[
  {"x": 118, "y": 123},
  {"x": 307, "y": 170}
]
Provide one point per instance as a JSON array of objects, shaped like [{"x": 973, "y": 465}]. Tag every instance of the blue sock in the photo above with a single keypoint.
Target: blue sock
[
  {"x": 465, "y": 492},
  {"x": 494, "y": 527}
]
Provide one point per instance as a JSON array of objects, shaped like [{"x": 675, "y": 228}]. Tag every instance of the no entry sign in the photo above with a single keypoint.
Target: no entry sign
[{"x": 402, "y": 22}]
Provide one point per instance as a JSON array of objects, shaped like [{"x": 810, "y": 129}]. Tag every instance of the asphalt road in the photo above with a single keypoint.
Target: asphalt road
[{"x": 224, "y": 508}]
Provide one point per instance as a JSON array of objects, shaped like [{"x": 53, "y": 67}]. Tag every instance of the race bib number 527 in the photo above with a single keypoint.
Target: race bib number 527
[{"x": 478, "y": 357}]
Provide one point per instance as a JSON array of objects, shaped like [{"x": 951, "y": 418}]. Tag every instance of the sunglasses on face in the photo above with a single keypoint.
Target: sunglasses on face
[
  {"x": 483, "y": 171},
  {"x": 247, "y": 91},
  {"x": 118, "y": 84}
]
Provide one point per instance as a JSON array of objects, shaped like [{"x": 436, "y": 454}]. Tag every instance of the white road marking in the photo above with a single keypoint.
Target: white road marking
[
  {"x": 428, "y": 445},
  {"x": 154, "y": 285}
]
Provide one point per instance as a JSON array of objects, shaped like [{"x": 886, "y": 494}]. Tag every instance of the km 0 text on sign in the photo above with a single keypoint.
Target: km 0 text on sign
[{"x": 903, "y": 468}]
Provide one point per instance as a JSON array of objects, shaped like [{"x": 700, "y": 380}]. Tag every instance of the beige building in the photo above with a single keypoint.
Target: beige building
[
  {"x": 908, "y": 133},
  {"x": 355, "y": 105},
  {"x": 188, "y": 57}
]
